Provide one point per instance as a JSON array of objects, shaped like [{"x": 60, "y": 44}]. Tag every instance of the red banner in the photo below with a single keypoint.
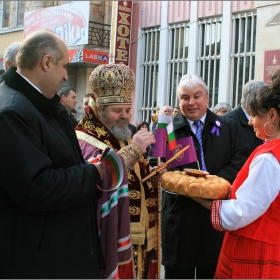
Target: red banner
[
  {"x": 85, "y": 55},
  {"x": 1, "y": 62},
  {"x": 271, "y": 64},
  {"x": 69, "y": 21},
  {"x": 123, "y": 32}
]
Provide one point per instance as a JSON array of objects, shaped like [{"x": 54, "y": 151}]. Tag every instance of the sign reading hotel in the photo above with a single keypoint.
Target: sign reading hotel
[
  {"x": 271, "y": 64},
  {"x": 69, "y": 21},
  {"x": 123, "y": 28}
]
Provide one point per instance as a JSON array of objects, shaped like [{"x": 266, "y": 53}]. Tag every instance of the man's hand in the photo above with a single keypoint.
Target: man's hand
[
  {"x": 143, "y": 139},
  {"x": 157, "y": 178},
  {"x": 100, "y": 169}
]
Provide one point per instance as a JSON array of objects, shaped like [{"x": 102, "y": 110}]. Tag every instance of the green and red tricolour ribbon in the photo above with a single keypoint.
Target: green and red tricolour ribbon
[{"x": 114, "y": 163}]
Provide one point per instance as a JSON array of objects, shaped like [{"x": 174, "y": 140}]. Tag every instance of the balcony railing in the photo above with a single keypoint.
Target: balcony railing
[{"x": 99, "y": 35}]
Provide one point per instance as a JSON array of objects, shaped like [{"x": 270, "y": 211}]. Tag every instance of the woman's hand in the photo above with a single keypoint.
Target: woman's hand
[{"x": 207, "y": 203}]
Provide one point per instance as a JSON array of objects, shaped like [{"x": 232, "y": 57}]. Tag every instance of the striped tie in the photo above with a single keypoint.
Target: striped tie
[{"x": 198, "y": 135}]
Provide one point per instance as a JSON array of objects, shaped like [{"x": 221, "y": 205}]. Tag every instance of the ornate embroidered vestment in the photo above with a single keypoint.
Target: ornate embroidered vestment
[{"x": 142, "y": 196}]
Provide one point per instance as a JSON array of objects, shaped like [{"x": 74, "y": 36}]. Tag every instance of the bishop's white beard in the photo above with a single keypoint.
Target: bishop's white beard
[{"x": 121, "y": 133}]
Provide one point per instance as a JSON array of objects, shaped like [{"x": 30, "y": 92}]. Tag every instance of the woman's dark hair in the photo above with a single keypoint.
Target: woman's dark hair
[
  {"x": 266, "y": 97},
  {"x": 138, "y": 127}
]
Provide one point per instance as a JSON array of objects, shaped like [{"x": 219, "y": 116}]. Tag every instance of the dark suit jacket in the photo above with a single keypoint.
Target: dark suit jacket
[
  {"x": 188, "y": 238},
  {"x": 239, "y": 116},
  {"x": 74, "y": 122},
  {"x": 48, "y": 223}
]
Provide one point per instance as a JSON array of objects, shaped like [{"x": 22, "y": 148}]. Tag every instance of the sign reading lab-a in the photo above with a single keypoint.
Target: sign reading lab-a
[{"x": 86, "y": 55}]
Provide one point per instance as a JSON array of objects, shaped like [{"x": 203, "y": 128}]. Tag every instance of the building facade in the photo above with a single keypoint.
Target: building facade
[{"x": 228, "y": 43}]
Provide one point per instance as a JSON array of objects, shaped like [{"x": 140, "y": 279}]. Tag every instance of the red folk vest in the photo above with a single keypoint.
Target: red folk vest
[{"x": 267, "y": 227}]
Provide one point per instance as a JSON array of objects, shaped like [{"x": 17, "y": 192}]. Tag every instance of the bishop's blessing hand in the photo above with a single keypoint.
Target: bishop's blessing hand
[{"x": 143, "y": 139}]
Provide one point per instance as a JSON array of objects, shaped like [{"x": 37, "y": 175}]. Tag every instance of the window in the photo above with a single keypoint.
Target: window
[
  {"x": 149, "y": 74},
  {"x": 209, "y": 56},
  {"x": 12, "y": 13},
  {"x": 20, "y": 13},
  {"x": 242, "y": 54},
  {"x": 177, "y": 63}
]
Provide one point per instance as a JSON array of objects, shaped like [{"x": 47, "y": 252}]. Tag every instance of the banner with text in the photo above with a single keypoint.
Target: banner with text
[
  {"x": 86, "y": 55},
  {"x": 70, "y": 21},
  {"x": 271, "y": 64},
  {"x": 122, "y": 32}
]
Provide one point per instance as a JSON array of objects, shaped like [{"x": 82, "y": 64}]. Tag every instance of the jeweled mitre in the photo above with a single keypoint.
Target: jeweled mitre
[{"x": 112, "y": 84}]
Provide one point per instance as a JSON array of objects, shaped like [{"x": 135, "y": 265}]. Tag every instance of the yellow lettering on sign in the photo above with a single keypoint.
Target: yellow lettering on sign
[
  {"x": 123, "y": 30},
  {"x": 124, "y": 9},
  {"x": 124, "y": 17},
  {"x": 123, "y": 41},
  {"x": 122, "y": 55}
]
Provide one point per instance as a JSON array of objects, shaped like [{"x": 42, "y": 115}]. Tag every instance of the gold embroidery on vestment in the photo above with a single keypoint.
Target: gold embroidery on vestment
[
  {"x": 150, "y": 202},
  {"x": 88, "y": 125},
  {"x": 107, "y": 142},
  {"x": 133, "y": 210},
  {"x": 130, "y": 154},
  {"x": 130, "y": 176},
  {"x": 152, "y": 217},
  {"x": 150, "y": 185},
  {"x": 100, "y": 131},
  {"x": 133, "y": 194}
]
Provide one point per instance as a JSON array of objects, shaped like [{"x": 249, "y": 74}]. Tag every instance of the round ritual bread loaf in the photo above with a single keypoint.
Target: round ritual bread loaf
[{"x": 209, "y": 186}]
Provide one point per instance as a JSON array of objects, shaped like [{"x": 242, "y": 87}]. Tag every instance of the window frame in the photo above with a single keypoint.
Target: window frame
[
  {"x": 241, "y": 57},
  {"x": 177, "y": 64},
  {"x": 14, "y": 16},
  {"x": 206, "y": 59},
  {"x": 149, "y": 68}
]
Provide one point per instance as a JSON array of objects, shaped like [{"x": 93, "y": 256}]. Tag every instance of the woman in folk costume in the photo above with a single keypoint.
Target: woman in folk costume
[
  {"x": 105, "y": 123},
  {"x": 251, "y": 215}
]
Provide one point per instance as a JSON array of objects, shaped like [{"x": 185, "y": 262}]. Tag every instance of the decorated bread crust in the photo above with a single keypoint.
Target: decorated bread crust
[{"x": 209, "y": 186}]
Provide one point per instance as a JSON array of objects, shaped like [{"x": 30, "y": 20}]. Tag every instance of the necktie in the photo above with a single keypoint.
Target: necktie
[{"x": 198, "y": 135}]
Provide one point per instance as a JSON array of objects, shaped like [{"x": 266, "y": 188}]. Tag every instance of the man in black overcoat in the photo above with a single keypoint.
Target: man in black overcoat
[
  {"x": 241, "y": 115},
  {"x": 190, "y": 246},
  {"x": 48, "y": 223}
]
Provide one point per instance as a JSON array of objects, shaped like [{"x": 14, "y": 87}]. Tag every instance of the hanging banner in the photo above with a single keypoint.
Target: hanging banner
[
  {"x": 69, "y": 21},
  {"x": 122, "y": 32},
  {"x": 271, "y": 64},
  {"x": 86, "y": 55}
]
